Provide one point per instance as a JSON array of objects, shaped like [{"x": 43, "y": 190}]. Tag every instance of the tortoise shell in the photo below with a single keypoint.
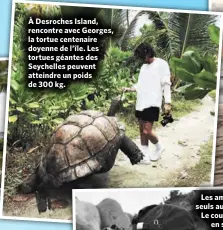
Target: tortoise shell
[{"x": 83, "y": 144}]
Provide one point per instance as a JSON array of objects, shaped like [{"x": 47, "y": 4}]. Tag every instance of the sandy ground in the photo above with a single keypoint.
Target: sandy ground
[
  {"x": 181, "y": 139},
  {"x": 216, "y": 5}
]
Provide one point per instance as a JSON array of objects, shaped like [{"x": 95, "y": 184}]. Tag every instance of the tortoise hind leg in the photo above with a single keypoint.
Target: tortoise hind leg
[{"x": 129, "y": 148}]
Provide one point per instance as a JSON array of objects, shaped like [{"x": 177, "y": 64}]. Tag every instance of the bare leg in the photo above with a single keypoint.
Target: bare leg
[
  {"x": 143, "y": 137},
  {"x": 147, "y": 130},
  {"x": 146, "y": 133},
  {"x": 154, "y": 139},
  {"x": 144, "y": 142}
]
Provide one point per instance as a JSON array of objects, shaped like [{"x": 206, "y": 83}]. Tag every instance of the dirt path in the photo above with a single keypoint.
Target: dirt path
[{"x": 181, "y": 139}]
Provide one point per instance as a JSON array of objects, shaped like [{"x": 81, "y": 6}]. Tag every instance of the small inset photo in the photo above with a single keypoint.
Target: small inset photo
[
  {"x": 143, "y": 209},
  {"x": 216, "y": 5}
]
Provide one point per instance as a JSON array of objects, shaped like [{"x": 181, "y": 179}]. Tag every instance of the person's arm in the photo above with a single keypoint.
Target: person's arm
[
  {"x": 167, "y": 93},
  {"x": 166, "y": 85},
  {"x": 132, "y": 89},
  {"x": 129, "y": 89}
]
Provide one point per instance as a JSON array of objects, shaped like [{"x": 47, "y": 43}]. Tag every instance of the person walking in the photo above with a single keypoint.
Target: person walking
[{"x": 153, "y": 83}]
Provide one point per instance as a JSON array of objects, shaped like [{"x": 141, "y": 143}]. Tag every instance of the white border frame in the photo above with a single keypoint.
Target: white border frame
[
  {"x": 4, "y": 59},
  {"x": 126, "y": 190},
  {"x": 95, "y": 6},
  {"x": 210, "y": 5}
]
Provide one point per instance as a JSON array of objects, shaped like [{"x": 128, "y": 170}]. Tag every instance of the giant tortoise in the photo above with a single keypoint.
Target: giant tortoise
[{"x": 84, "y": 144}]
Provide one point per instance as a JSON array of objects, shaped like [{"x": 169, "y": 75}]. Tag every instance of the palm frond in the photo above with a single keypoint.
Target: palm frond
[
  {"x": 190, "y": 30},
  {"x": 130, "y": 30}
]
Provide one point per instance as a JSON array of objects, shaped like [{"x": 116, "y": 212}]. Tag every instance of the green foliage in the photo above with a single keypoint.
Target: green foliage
[
  {"x": 113, "y": 74},
  {"x": 199, "y": 72},
  {"x": 33, "y": 114},
  {"x": 214, "y": 33},
  {"x": 3, "y": 75},
  {"x": 172, "y": 34}
]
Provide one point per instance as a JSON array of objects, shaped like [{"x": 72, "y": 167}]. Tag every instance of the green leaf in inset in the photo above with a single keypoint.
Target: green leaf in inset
[{"x": 214, "y": 33}]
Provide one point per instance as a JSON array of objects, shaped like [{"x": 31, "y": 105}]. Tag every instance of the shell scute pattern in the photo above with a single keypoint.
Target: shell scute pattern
[{"x": 82, "y": 145}]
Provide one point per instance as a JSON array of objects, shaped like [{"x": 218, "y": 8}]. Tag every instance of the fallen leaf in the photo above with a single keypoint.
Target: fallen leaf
[
  {"x": 22, "y": 198},
  {"x": 59, "y": 204},
  {"x": 32, "y": 150}
]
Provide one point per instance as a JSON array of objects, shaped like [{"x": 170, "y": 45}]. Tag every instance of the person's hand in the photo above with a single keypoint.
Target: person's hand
[{"x": 167, "y": 108}]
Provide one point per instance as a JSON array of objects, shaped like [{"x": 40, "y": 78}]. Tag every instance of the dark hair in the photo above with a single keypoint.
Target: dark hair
[{"x": 143, "y": 50}]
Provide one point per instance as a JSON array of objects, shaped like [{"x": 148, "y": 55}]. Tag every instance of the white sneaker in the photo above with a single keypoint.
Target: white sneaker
[
  {"x": 145, "y": 161},
  {"x": 156, "y": 155}
]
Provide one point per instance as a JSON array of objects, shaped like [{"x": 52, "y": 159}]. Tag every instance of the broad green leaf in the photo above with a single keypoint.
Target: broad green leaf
[
  {"x": 125, "y": 105},
  {"x": 187, "y": 87},
  {"x": 206, "y": 80},
  {"x": 192, "y": 61},
  {"x": 209, "y": 64},
  {"x": 33, "y": 105},
  {"x": 175, "y": 63},
  {"x": 214, "y": 33},
  {"x": 190, "y": 88},
  {"x": 12, "y": 101},
  {"x": 196, "y": 94},
  {"x": 184, "y": 75},
  {"x": 58, "y": 120},
  {"x": 54, "y": 107},
  {"x": 20, "y": 109},
  {"x": 13, "y": 119},
  {"x": 14, "y": 84}
]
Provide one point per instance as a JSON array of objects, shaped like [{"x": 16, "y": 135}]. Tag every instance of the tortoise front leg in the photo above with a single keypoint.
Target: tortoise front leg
[
  {"x": 43, "y": 195},
  {"x": 129, "y": 148},
  {"x": 41, "y": 200}
]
